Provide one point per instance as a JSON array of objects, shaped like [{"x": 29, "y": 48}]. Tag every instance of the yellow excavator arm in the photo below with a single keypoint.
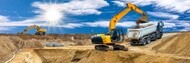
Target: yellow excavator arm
[
  {"x": 40, "y": 31},
  {"x": 121, "y": 14},
  {"x": 114, "y": 36}
]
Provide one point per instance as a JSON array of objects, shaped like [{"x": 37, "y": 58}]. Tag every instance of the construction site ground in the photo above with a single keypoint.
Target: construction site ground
[{"x": 172, "y": 48}]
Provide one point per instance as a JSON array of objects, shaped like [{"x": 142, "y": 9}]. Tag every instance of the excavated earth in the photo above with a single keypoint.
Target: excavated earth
[{"x": 172, "y": 48}]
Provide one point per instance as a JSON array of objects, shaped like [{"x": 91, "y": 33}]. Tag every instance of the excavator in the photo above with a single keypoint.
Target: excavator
[
  {"x": 39, "y": 30},
  {"x": 115, "y": 36}
]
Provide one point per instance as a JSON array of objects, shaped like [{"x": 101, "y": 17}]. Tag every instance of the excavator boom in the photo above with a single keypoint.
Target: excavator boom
[
  {"x": 39, "y": 31},
  {"x": 114, "y": 36},
  {"x": 121, "y": 14}
]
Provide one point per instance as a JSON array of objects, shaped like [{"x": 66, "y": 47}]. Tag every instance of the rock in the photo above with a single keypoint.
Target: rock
[{"x": 54, "y": 44}]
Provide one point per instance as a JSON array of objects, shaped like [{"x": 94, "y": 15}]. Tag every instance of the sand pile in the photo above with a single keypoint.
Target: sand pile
[
  {"x": 85, "y": 56},
  {"x": 27, "y": 56},
  {"x": 7, "y": 48},
  {"x": 178, "y": 44},
  {"x": 9, "y": 44},
  {"x": 93, "y": 56},
  {"x": 173, "y": 49}
]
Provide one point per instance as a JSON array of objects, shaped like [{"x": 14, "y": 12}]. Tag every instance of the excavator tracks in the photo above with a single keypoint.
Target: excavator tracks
[{"x": 110, "y": 47}]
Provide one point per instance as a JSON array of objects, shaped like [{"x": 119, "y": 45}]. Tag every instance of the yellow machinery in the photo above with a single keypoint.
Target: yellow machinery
[
  {"x": 39, "y": 30},
  {"x": 114, "y": 36}
]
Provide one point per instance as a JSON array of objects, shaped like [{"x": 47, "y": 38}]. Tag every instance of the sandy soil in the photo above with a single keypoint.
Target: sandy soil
[
  {"x": 10, "y": 45},
  {"x": 172, "y": 48}
]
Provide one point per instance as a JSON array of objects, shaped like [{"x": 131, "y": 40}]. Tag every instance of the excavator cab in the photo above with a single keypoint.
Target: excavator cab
[{"x": 117, "y": 35}]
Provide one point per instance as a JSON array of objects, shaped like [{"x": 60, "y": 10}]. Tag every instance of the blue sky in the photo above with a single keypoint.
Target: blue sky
[{"x": 83, "y": 16}]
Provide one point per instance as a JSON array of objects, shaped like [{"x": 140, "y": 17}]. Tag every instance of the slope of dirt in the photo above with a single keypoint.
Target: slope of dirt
[
  {"x": 172, "y": 48},
  {"x": 26, "y": 56},
  {"x": 7, "y": 48},
  {"x": 91, "y": 56},
  {"x": 85, "y": 56},
  {"x": 177, "y": 44},
  {"x": 10, "y": 44}
]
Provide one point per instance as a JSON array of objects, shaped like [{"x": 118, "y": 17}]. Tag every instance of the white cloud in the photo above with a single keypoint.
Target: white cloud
[
  {"x": 30, "y": 22},
  {"x": 5, "y": 28},
  {"x": 139, "y": 2},
  {"x": 183, "y": 30},
  {"x": 183, "y": 24},
  {"x": 3, "y": 18},
  {"x": 106, "y": 24},
  {"x": 126, "y": 24},
  {"x": 84, "y": 7},
  {"x": 169, "y": 25},
  {"x": 188, "y": 11},
  {"x": 75, "y": 7},
  {"x": 54, "y": 13},
  {"x": 174, "y": 5},
  {"x": 179, "y": 6},
  {"x": 71, "y": 25},
  {"x": 174, "y": 24},
  {"x": 177, "y": 25},
  {"x": 98, "y": 24},
  {"x": 119, "y": 3},
  {"x": 6, "y": 24},
  {"x": 22, "y": 23},
  {"x": 163, "y": 15}
]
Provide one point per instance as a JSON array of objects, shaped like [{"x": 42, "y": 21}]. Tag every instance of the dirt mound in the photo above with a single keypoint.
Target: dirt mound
[
  {"x": 7, "y": 48},
  {"x": 169, "y": 49},
  {"x": 9, "y": 44},
  {"x": 90, "y": 56},
  {"x": 26, "y": 56},
  {"x": 85, "y": 56},
  {"x": 177, "y": 44}
]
